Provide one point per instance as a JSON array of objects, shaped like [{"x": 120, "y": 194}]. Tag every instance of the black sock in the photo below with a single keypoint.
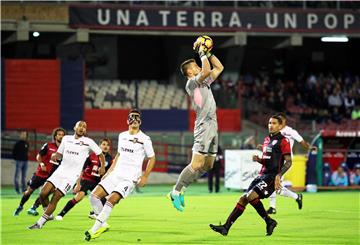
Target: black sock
[
  {"x": 36, "y": 203},
  {"x": 69, "y": 205},
  {"x": 24, "y": 199},
  {"x": 103, "y": 201},
  {"x": 237, "y": 211},
  {"x": 259, "y": 207}
]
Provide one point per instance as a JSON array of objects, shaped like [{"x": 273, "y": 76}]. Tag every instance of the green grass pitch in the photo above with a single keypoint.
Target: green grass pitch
[{"x": 149, "y": 218}]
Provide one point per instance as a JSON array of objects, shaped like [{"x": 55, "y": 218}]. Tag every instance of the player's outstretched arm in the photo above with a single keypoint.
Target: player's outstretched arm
[
  {"x": 205, "y": 65},
  {"x": 40, "y": 161},
  {"x": 307, "y": 146},
  {"x": 149, "y": 167},
  {"x": 217, "y": 67}
]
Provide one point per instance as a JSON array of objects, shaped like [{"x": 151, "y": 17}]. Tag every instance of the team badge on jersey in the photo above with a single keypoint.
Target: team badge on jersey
[
  {"x": 136, "y": 140},
  {"x": 81, "y": 143}
]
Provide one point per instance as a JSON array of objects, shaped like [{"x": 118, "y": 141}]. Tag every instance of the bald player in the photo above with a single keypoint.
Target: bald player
[
  {"x": 205, "y": 145},
  {"x": 73, "y": 150}
]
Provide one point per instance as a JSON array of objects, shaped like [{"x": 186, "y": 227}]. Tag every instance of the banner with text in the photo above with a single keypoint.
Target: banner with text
[
  {"x": 240, "y": 170},
  {"x": 124, "y": 17}
]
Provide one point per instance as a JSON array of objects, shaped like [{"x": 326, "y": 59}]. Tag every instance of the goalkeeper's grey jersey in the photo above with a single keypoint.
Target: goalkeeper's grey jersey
[{"x": 202, "y": 99}]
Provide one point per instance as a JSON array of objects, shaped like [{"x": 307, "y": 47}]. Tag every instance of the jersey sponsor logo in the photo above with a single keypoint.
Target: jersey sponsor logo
[
  {"x": 72, "y": 152},
  {"x": 52, "y": 149},
  {"x": 266, "y": 157},
  {"x": 127, "y": 150},
  {"x": 274, "y": 142}
]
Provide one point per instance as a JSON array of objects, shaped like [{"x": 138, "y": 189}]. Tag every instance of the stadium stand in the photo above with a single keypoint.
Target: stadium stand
[{"x": 116, "y": 94}]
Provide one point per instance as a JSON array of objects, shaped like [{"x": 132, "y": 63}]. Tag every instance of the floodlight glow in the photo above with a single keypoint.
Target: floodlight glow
[
  {"x": 36, "y": 34},
  {"x": 335, "y": 39}
]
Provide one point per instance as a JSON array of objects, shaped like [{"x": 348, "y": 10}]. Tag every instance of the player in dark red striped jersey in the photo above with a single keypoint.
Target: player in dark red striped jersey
[
  {"x": 43, "y": 172},
  {"x": 276, "y": 160},
  {"x": 89, "y": 178}
]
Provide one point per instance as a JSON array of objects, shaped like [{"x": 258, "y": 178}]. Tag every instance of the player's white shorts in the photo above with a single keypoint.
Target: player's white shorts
[
  {"x": 63, "y": 182},
  {"x": 115, "y": 183}
]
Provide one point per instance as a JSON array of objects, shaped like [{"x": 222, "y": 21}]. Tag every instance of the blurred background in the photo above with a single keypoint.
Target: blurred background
[{"x": 94, "y": 60}]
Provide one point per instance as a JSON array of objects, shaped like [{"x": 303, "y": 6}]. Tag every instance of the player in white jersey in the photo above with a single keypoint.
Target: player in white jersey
[
  {"x": 205, "y": 129},
  {"x": 124, "y": 173},
  {"x": 293, "y": 136},
  {"x": 74, "y": 149}
]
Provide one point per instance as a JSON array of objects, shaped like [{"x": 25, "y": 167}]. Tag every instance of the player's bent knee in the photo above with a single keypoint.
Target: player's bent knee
[
  {"x": 79, "y": 196},
  {"x": 115, "y": 198},
  {"x": 198, "y": 161},
  {"x": 44, "y": 194},
  {"x": 243, "y": 199},
  {"x": 57, "y": 195},
  {"x": 252, "y": 196},
  {"x": 99, "y": 191},
  {"x": 29, "y": 191}
]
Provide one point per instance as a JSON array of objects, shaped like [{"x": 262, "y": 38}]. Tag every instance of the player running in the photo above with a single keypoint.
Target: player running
[
  {"x": 74, "y": 149},
  {"x": 293, "y": 136},
  {"x": 44, "y": 170},
  {"x": 123, "y": 175},
  {"x": 276, "y": 160},
  {"x": 205, "y": 129},
  {"x": 89, "y": 178}
]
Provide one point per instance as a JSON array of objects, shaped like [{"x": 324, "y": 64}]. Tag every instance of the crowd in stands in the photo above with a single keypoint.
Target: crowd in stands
[
  {"x": 323, "y": 97},
  {"x": 342, "y": 176}
]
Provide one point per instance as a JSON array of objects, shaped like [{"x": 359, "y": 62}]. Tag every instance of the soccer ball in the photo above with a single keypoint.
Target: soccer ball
[{"x": 204, "y": 40}]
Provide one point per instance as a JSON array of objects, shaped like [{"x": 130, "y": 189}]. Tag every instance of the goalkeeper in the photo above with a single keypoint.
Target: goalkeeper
[{"x": 205, "y": 130}]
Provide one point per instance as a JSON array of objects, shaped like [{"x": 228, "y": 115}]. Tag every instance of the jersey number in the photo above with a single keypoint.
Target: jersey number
[
  {"x": 262, "y": 185},
  {"x": 125, "y": 188},
  {"x": 95, "y": 171}
]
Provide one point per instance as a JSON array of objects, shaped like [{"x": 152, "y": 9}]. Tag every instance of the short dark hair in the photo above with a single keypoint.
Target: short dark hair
[
  {"x": 185, "y": 65},
  {"x": 282, "y": 115},
  {"x": 56, "y": 130},
  {"x": 135, "y": 110},
  {"x": 277, "y": 117},
  {"x": 105, "y": 139}
]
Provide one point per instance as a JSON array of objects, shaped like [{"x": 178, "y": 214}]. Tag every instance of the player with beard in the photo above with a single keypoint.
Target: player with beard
[
  {"x": 89, "y": 178},
  {"x": 73, "y": 150},
  {"x": 276, "y": 160},
  {"x": 43, "y": 172}
]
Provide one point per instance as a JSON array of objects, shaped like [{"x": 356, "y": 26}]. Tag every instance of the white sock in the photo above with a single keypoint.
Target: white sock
[
  {"x": 175, "y": 192},
  {"x": 272, "y": 200},
  {"x": 287, "y": 193},
  {"x": 43, "y": 220},
  {"x": 102, "y": 217},
  {"x": 96, "y": 204}
]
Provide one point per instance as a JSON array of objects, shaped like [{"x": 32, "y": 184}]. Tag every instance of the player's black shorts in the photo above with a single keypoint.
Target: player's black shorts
[
  {"x": 87, "y": 185},
  {"x": 263, "y": 185},
  {"x": 36, "y": 181}
]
